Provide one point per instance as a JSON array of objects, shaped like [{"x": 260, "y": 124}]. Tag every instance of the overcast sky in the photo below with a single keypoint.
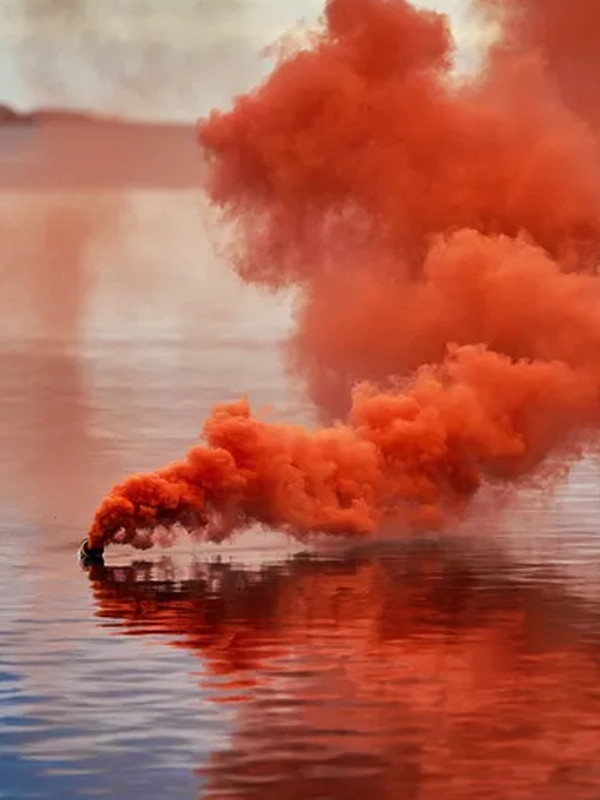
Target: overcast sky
[{"x": 152, "y": 58}]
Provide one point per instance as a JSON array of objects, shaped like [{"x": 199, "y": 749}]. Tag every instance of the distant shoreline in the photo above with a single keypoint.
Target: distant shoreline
[
  {"x": 11, "y": 116},
  {"x": 55, "y": 149}
]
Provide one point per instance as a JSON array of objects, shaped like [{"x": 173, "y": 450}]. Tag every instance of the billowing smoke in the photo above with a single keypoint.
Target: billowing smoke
[{"x": 443, "y": 238}]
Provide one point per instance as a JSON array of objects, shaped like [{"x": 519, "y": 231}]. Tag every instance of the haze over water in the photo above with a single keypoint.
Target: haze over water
[{"x": 459, "y": 666}]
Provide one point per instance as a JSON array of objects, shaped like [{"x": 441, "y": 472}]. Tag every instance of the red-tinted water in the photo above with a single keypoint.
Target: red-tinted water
[{"x": 416, "y": 669}]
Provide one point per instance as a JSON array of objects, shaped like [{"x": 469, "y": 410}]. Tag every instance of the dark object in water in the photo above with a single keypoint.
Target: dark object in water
[
  {"x": 9, "y": 116},
  {"x": 87, "y": 555}
]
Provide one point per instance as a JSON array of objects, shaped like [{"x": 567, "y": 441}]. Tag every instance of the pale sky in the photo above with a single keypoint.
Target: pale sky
[{"x": 155, "y": 58}]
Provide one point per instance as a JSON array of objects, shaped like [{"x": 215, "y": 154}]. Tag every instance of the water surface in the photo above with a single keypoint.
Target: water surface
[{"x": 467, "y": 667}]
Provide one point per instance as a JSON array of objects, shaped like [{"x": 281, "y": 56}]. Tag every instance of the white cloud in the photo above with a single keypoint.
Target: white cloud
[{"x": 134, "y": 57}]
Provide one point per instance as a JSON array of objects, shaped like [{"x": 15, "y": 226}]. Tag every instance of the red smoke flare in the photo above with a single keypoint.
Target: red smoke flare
[{"x": 443, "y": 239}]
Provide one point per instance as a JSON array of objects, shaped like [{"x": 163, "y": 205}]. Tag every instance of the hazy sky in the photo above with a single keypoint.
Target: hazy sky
[{"x": 153, "y": 58}]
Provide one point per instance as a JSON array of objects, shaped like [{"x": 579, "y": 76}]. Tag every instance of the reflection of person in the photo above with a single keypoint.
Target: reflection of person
[
  {"x": 44, "y": 386},
  {"x": 391, "y": 674}
]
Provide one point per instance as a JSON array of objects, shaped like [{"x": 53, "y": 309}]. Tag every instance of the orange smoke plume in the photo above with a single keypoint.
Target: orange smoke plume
[
  {"x": 443, "y": 239},
  {"x": 565, "y": 35}
]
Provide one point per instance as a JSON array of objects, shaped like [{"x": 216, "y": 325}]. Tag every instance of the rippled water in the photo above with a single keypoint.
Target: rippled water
[{"x": 467, "y": 667}]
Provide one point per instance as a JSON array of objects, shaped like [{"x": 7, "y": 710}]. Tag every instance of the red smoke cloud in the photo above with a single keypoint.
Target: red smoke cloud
[
  {"x": 443, "y": 238},
  {"x": 565, "y": 36}
]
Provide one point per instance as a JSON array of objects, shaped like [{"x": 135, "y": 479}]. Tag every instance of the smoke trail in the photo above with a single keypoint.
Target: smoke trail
[{"x": 443, "y": 239}]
